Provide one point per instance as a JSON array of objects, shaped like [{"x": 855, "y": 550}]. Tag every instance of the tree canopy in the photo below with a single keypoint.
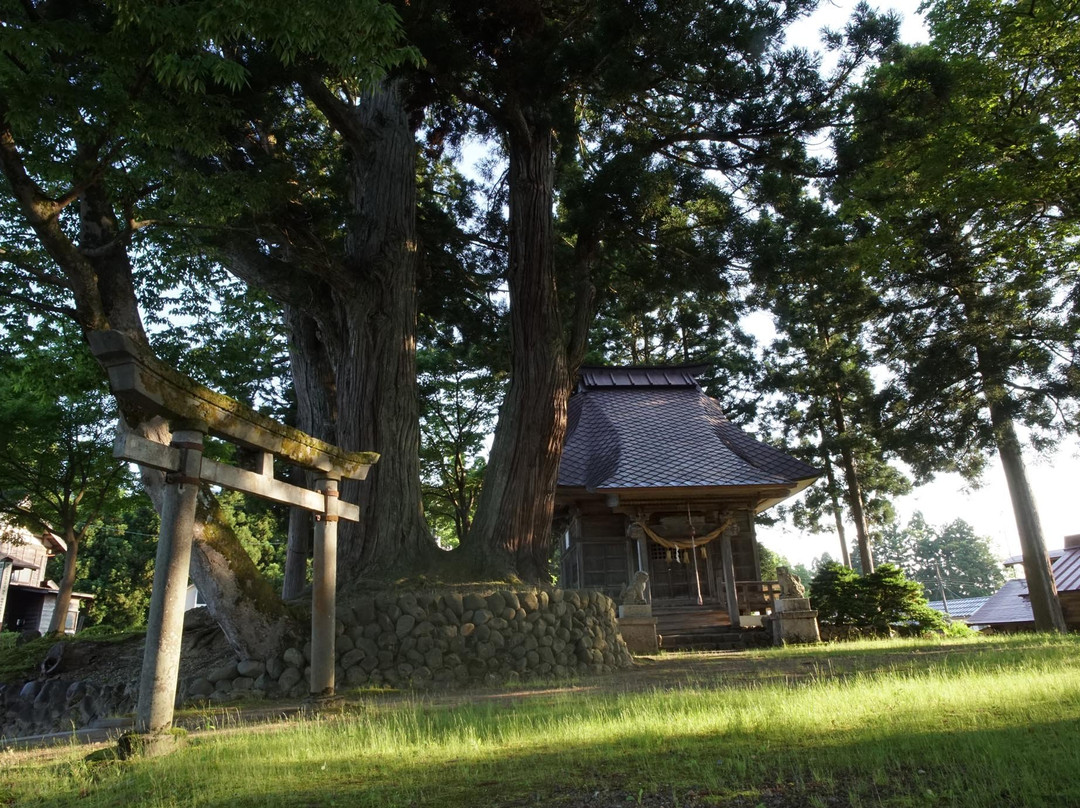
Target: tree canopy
[
  {"x": 277, "y": 195},
  {"x": 951, "y": 557},
  {"x": 956, "y": 175},
  {"x": 57, "y": 472}
]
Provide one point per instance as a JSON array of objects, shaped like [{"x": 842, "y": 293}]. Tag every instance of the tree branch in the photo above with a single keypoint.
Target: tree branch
[{"x": 37, "y": 305}]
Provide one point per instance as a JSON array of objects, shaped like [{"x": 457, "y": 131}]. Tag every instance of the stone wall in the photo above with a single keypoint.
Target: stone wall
[
  {"x": 422, "y": 640},
  {"x": 60, "y": 705},
  {"x": 403, "y": 640}
]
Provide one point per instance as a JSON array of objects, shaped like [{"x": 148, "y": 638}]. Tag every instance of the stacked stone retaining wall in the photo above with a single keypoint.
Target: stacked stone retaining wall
[
  {"x": 425, "y": 640},
  {"x": 402, "y": 640},
  {"x": 59, "y": 705}
]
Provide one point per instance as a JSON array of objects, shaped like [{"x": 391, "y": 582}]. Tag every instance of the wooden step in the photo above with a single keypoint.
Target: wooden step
[
  {"x": 719, "y": 640},
  {"x": 686, "y": 626},
  {"x": 678, "y": 619}
]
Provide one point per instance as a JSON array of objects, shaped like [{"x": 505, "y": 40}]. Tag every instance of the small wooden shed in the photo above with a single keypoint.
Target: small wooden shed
[{"x": 654, "y": 477}]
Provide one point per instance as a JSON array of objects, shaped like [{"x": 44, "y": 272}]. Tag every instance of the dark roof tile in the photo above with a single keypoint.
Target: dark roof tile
[
  {"x": 1008, "y": 605},
  {"x": 596, "y": 378},
  {"x": 664, "y": 435}
]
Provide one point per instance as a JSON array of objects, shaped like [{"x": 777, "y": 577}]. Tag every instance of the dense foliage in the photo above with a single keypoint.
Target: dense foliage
[
  {"x": 279, "y": 200},
  {"x": 881, "y": 602},
  {"x": 950, "y": 557},
  {"x": 57, "y": 470}
]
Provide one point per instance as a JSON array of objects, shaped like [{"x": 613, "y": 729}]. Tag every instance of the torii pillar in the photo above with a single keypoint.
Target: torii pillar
[
  {"x": 324, "y": 593},
  {"x": 165, "y": 624}
]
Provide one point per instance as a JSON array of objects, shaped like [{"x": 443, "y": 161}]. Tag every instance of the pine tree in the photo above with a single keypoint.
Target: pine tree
[
  {"x": 959, "y": 171},
  {"x": 820, "y": 364}
]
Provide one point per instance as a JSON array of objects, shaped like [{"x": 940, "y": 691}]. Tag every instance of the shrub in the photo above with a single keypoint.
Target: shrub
[
  {"x": 833, "y": 592},
  {"x": 881, "y": 601},
  {"x": 890, "y": 599},
  {"x": 956, "y": 628}
]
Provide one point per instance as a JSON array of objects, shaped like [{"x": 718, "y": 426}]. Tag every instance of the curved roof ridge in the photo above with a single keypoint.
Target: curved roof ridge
[
  {"x": 596, "y": 377},
  {"x": 755, "y": 452}
]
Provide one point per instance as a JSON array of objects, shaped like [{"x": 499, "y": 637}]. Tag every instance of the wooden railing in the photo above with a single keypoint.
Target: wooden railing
[{"x": 754, "y": 596}]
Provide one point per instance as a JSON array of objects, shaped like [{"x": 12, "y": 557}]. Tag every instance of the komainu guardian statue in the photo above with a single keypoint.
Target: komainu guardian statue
[
  {"x": 790, "y": 585},
  {"x": 634, "y": 592}
]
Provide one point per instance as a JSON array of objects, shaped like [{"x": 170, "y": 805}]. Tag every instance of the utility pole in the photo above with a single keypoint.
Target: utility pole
[{"x": 941, "y": 586}]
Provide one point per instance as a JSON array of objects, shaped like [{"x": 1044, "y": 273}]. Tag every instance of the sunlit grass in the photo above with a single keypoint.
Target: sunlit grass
[{"x": 964, "y": 723}]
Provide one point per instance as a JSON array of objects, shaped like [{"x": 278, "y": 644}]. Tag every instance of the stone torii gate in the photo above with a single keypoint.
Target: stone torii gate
[{"x": 149, "y": 388}]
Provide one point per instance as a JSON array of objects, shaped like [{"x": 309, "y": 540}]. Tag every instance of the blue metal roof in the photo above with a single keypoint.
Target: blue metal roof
[{"x": 959, "y": 607}]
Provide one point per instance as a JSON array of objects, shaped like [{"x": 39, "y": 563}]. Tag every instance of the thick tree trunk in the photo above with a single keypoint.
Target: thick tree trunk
[
  {"x": 97, "y": 270},
  {"x": 368, "y": 331},
  {"x": 234, "y": 590},
  {"x": 352, "y": 319},
  {"x": 586, "y": 247},
  {"x": 251, "y": 615},
  {"x": 239, "y": 598},
  {"x": 252, "y": 618},
  {"x": 1045, "y": 606},
  {"x": 511, "y": 532},
  {"x": 294, "y": 577},
  {"x": 67, "y": 582},
  {"x": 991, "y": 364},
  {"x": 316, "y": 414}
]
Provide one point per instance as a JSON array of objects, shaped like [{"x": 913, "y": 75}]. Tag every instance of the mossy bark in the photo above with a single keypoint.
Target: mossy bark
[
  {"x": 251, "y": 614},
  {"x": 353, "y": 349}
]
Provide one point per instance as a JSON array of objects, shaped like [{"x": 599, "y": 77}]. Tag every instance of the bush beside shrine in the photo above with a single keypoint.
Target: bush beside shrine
[{"x": 885, "y": 601}]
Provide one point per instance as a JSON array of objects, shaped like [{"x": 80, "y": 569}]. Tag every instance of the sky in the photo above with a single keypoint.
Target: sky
[
  {"x": 1053, "y": 477},
  {"x": 834, "y": 13}
]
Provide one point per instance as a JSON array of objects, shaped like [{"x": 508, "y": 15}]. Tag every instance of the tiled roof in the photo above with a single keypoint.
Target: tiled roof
[
  {"x": 959, "y": 607},
  {"x": 663, "y": 435},
  {"x": 1008, "y": 605},
  {"x": 1011, "y": 604},
  {"x": 598, "y": 377},
  {"x": 1012, "y": 561},
  {"x": 1066, "y": 567},
  {"x": 1067, "y": 570}
]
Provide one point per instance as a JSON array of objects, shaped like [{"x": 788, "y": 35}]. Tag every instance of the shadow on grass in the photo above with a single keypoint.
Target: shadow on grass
[
  {"x": 958, "y": 763},
  {"x": 801, "y": 664}
]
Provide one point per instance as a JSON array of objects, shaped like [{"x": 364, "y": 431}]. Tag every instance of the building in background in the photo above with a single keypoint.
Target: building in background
[
  {"x": 1009, "y": 609},
  {"x": 27, "y": 598}
]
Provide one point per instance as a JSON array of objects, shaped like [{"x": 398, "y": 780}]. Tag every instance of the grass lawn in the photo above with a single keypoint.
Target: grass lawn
[{"x": 973, "y": 722}]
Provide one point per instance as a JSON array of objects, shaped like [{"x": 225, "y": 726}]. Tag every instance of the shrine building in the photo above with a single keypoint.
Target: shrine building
[{"x": 654, "y": 477}]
